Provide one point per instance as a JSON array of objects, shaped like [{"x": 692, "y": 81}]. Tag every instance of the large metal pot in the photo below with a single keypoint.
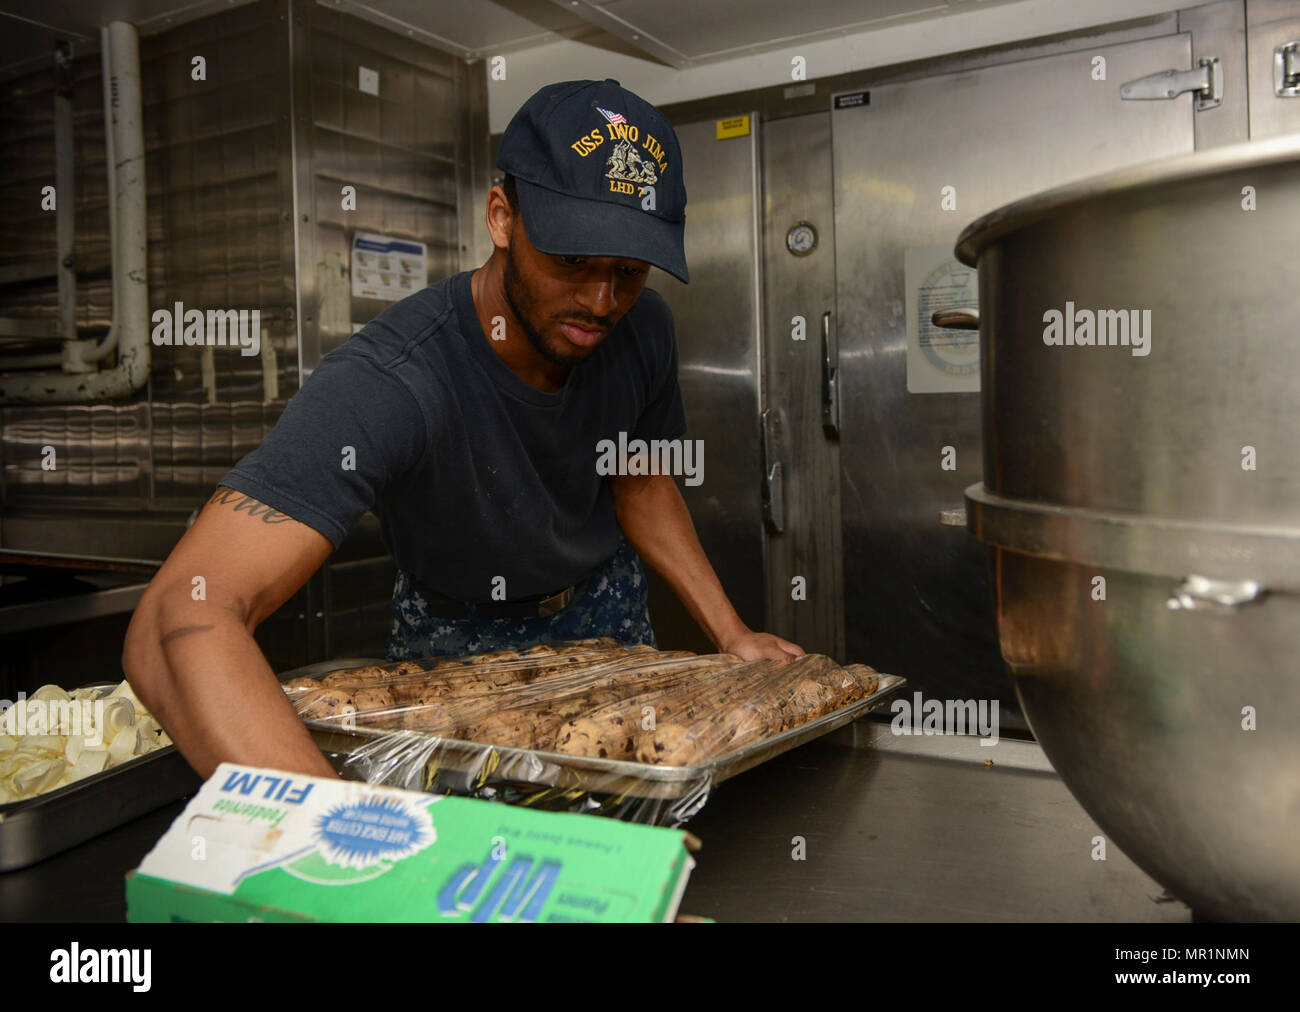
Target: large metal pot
[{"x": 1170, "y": 706}]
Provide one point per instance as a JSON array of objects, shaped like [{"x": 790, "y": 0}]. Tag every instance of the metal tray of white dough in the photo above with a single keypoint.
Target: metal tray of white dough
[{"x": 36, "y": 828}]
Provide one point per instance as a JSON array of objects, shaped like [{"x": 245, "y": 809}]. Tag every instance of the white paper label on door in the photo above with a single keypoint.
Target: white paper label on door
[
  {"x": 387, "y": 268},
  {"x": 939, "y": 361}
]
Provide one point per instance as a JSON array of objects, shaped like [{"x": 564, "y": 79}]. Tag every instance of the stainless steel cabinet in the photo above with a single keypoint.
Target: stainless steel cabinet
[
  {"x": 720, "y": 372},
  {"x": 913, "y": 165}
]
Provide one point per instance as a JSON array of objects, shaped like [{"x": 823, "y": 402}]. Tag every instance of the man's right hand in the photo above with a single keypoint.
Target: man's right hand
[{"x": 190, "y": 654}]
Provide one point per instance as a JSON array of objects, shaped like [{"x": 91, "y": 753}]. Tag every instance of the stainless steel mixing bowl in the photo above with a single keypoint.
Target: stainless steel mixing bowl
[{"x": 1170, "y": 705}]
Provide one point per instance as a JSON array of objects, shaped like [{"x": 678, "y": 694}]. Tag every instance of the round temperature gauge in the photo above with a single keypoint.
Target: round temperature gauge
[{"x": 801, "y": 239}]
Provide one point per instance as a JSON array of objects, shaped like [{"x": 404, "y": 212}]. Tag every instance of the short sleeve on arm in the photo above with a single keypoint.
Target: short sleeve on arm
[
  {"x": 664, "y": 416},
  {"x": 349, "y": 432}
]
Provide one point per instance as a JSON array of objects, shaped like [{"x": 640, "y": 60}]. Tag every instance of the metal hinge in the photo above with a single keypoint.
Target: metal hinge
[
  {"x": 1205, "y": 80},
  {"x": 1286, "y": 70}
]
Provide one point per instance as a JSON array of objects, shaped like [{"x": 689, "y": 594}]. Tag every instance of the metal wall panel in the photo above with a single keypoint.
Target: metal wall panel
[
  {"x": 720, "y": 372},
  {"x": 797, "y": 188},
  {"x": 219, "y": 237},
  {"x": 917, "y": 597},
  {"x": 238, "y": 190},
  {"x": 404, "y": 150}
]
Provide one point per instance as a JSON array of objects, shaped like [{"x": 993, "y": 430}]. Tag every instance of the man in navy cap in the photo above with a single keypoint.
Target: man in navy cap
[{"x": 468, "y": 418}]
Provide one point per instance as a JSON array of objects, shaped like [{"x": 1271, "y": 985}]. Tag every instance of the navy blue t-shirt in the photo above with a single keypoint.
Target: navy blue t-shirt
[{"x": 473, "y": 472}]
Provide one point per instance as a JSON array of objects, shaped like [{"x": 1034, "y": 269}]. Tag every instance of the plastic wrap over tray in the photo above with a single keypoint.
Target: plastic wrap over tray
[{"x": 589, "y": 726}]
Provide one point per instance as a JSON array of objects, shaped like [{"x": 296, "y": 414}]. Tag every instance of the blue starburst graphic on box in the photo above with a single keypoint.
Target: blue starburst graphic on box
[{"x": 373, "y": 830}]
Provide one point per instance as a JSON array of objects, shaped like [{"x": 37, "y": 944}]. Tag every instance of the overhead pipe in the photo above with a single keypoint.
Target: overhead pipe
[
  {"x": 101, "y": 350},
  {"x": 65, "y": 189},
  {"x": 129, "y": 332}
]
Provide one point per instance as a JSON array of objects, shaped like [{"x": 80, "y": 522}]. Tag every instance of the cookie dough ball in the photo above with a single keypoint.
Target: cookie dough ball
[
  {"x": 577, "y": 737},
  {"x": 554, "y": 666},
  {"x": 375, "y": 698},
  {"x": 355, "y": 677},
  {"x": 868, "y": 678},
  {"x": 809, "y": 699},
  {"x": 583, "y": 737},
  {"x": 579, "y": 704},
  {"x": 843, "y": 687},
  {"x": 409, "y": 668},
  {"x": 594, "y": 642},
  {"x": 668, "y": 745},
  {"x": 407, "y": 690},
  {"x": 453, "y": 686},
  {"x": 618, "y": 735},
  {"x": 472, "y": 691},
  {"x": 443, "y": 668},
  {"x": 426, "y": 711},
  {"x": 433, "y": 722},
  {"x": 540, "y": 650},
  {"x": 508, "y": 727},
  {"x": 326, "y": 704},
  {"x": 302, "y": 683},
  {"x": 546, "y": 729},
  {"x": 376, "y": 707},
  {"x": 747, "y": 723},
  {"x": 603, "y": 697},
  {"x": 408, "y": 673},
  {"x": 430, "y": 692},
  {"x": 780, "y": 708},
  {"x": 504, "y": 676},
  {"x": 686, "y": 707},
  {"x": 495, "y": 655}
]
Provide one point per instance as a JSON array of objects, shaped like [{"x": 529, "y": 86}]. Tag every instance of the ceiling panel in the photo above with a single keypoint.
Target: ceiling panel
[
  {"x": 29, "y": 28},
  {"x": 480, "y": 28},
  {"x": 469, "y": 28},
  {"x": 80, "y": 19},
  {"x": 700, "y": 30},
  {"x": 675, "y": 32}
]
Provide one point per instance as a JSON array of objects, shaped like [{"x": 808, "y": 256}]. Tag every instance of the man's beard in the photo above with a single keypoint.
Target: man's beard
[{"x": 519, "y": 300}]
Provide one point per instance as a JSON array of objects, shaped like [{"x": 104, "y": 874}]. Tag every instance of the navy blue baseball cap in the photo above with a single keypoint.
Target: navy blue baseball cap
[{"x": 599, "y": 173}]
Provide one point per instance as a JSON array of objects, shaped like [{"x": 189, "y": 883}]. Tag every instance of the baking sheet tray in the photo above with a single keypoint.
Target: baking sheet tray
[{"x": 454, "y": 766}]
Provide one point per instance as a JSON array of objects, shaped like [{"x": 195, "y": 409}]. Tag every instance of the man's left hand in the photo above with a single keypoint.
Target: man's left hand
[{"x": 754, "y": 646}]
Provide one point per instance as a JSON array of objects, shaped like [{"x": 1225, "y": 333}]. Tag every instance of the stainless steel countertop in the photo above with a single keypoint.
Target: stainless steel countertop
[
  {"x": 896, "y": 829},
  {"x": 910, "y": 829}
]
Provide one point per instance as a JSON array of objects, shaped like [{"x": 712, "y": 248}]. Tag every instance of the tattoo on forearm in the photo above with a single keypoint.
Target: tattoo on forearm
[{"x": 247, "y": 504}]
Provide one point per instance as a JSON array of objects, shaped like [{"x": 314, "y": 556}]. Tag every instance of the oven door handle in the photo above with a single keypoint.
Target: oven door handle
[
  {"x": 773, "y": 485},
  {"x": 830, "y": 381}
]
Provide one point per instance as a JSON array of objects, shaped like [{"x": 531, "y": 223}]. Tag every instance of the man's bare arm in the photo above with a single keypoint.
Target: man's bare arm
[
  {"x": 654, "y": 518},
  {"x": 190, "y": 654}
]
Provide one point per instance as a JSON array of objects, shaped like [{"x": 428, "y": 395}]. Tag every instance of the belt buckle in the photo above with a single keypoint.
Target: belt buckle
[{"x": 549, "y": 606}]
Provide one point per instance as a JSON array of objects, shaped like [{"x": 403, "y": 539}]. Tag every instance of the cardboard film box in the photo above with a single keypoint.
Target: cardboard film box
[{"x": 259, "y": 845}]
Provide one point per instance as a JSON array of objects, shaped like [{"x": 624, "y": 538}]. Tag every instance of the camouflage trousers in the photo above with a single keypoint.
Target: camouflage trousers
[{"x": 611, "y": 603}]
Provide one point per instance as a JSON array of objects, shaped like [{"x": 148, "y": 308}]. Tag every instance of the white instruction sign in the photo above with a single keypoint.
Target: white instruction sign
[
  {"x": 387, "y": 268},
  {"x": 939, "y": 361}
]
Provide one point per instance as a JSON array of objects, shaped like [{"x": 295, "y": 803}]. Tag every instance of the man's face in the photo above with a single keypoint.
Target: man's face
[{"x": 568, "y": 305}]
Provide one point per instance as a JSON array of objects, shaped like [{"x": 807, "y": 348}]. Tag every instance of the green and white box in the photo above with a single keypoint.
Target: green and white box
[{"x": 260, "y": 845}]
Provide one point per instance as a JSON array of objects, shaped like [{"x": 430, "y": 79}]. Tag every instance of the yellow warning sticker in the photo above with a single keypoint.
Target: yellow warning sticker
[{"x": 737, "y": 126}]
